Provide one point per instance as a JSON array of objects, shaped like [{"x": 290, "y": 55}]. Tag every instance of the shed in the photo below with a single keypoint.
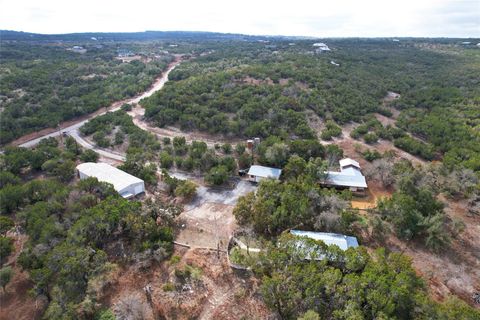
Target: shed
[
  {"x": 124, "y": 183},
  {"x": 349, "y": 162},
  {"x": 257, "y": 173}
]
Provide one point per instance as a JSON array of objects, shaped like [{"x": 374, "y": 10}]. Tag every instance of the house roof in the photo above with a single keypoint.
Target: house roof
[
  {"x": 345, "y": 180},
  {"x": 342, "y": 241},
  {"x": 264, "y": 172},
  {"x": 107, "y": 173},
  {"x": 349, "y": 175},
  {"x": 349, "y": 162}
]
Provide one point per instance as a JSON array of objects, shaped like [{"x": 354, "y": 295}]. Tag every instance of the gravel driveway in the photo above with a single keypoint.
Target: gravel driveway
[{"x": 220, "y": 195}]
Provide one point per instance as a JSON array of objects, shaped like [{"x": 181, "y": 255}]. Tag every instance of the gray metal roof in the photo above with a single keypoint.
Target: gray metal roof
[
  {"x": 342, "y": 241},
  {"x": 349, "y": 175},
  {"x": 345, "y": 180},
  {"x": 264, "y": 172}
]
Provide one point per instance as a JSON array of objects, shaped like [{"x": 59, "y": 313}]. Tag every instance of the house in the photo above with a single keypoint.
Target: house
[
  {"x": 125, "y": 184},
  {"x": 342, "y": 241},
  {"x": 320, "y": 46},
  {"x": 257, "y": 173},
  {"x": 349, "y": 177}
]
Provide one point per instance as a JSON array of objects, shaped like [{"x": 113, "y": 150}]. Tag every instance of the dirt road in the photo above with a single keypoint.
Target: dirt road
[{"x": 71, "y": 127}]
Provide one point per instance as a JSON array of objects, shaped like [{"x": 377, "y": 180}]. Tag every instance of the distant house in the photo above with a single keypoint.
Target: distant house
[
  {"x": 342, "y": 241},
  {"x": 125, "y": 184},
  {"x": 349, "y": 177},
  {"x": 320, "y": 47},
  {"x": 257, "y": 173}
]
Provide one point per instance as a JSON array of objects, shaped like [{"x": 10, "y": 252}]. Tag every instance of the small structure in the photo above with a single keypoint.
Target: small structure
[
  {"x": 250, "y": 144},
  {"x": 349, "y": 177},
  {"x": 125, "y": 184},
  {"x": 257, "y": 173},
  {"x": 320, "y": 47},
  {"x": 342, "y": 241}
]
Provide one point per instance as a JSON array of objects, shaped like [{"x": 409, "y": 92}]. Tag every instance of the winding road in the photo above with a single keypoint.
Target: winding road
[{"x": 73, "y": 129}]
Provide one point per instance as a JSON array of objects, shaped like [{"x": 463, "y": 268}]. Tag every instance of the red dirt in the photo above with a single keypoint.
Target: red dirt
[
  {"x": 219, "y": 293},
  {"x": 16, "y": 303}
]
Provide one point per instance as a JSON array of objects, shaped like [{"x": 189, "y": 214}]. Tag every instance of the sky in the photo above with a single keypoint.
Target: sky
[{"x": 316, "y": 18}]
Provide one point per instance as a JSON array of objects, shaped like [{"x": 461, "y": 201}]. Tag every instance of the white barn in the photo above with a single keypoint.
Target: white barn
[
  {"x": 125, "y": 184},
  {"x": 257, "y": 173}
]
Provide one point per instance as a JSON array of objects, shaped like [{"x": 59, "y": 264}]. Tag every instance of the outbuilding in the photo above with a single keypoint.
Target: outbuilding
[
  {"x": 124, "y": 183},
  {"x": 257, "y": 173}
]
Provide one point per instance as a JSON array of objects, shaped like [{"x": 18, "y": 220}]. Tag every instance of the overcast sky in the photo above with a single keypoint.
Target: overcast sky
[{"x": 320, "y": 18}]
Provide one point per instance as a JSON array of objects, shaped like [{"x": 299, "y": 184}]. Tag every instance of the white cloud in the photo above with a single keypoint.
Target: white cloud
[{"x": 340, "y": 18}]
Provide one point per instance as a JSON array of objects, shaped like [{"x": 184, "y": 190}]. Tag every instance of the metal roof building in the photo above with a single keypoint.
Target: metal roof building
[
  {"x": 257, "y": 173},
  {"x": 342, "y": 241},
  {"x": 349, "y": 176},
  {"x": 124, "y": 183}
]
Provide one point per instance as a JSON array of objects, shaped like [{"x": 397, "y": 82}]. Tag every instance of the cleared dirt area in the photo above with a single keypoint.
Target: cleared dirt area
[
  {"x": 208, "y": 225},
  {"x": 208, "y": 221},
  {"x": 16, "y": 302},
  {"x": 456, "y": 270},
  {"x": 216, "y": 292}
]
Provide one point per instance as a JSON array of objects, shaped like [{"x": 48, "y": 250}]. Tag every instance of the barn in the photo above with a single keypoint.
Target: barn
[
  {"x": 257, "y": 173},
  {"x": 125, "y": 184}
]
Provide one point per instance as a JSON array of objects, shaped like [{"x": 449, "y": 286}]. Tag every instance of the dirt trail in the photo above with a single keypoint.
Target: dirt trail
[
  {"x": 137, "y": 115},
  {"x": 32, "y": 139}
]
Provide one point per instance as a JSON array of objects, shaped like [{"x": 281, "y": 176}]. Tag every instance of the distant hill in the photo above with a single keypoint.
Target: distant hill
[{"x": 132, "y": 36}]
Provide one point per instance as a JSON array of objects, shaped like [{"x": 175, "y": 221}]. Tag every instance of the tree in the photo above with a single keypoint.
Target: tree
[
  {"x": 382, "y": 169},
  {"x": 277, "y": 154},
  {"x": 6, "y": 248},
  {"x": 186, "y": 189},
  {"x": 6, "y": 275},
  {"x": 240, "y": 148},
  {"x": 11, "y": 198},
  {"x": 89, "y": 156},
  {"x": 310, "y": 315},
  {"x": 62, "y": 169},
  {"x": 166, "y": 160},
  {"x": 217, "y": 175},
  {"x": 227, "y": 148},
  {"x": 370, "y": 138},
  {"x": 295, "y": 167},
  {"x": 6, "y": 224}
]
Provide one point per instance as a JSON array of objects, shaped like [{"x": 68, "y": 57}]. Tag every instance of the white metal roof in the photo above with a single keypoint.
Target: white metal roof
[
  {"x": 107, "y": 173},
  {"x": 342, "y": 241},
  {"x": 349, "y": 162},
  {"x": 264, "y": 172}
]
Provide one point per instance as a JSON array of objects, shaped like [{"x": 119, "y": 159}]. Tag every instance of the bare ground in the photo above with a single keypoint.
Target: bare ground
[
  {"x": 15, "y": 302},
  {"x": 219, "y": 292},
  {"x": 207, "y": 225}
]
